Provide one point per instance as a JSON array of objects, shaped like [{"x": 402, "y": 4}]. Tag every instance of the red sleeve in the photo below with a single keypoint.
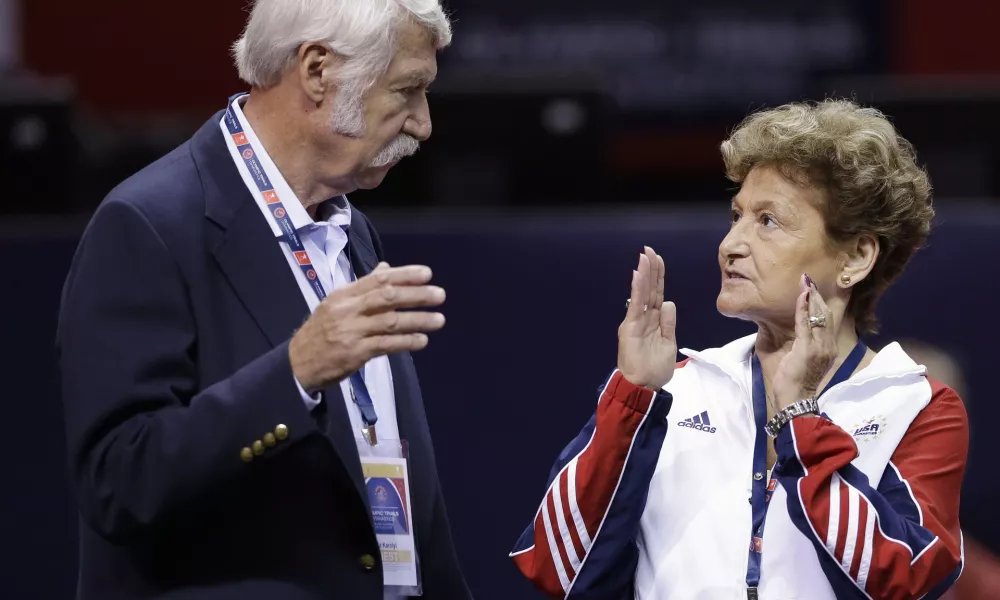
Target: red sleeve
[
  {"x": 900, "y": 539},
  {"x": 596, "y": 479}
]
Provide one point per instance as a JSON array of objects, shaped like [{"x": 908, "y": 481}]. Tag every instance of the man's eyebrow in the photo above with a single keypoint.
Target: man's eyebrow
[{"x": 418, "y": 78}]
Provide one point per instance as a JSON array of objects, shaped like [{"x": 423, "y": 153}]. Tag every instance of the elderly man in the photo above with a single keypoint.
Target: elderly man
[{"x": 243, "y": 415}]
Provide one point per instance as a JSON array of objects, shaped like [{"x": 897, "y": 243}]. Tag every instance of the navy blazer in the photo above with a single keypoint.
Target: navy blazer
[{"x": 173, "y": 344}]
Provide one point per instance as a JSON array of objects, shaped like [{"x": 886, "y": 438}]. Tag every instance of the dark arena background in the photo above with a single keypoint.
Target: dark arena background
[{"x": 567, "y": 135}]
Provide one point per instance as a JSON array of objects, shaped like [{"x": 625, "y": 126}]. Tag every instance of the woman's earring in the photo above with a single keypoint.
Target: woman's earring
[{"x": 845, "y": 279}]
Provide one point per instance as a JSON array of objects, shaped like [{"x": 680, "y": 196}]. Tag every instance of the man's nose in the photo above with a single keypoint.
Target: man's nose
[{"x": 419, "y": 123}]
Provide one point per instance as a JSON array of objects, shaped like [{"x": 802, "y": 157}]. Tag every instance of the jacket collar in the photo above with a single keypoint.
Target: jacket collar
[{"x": 891, "y": 362}]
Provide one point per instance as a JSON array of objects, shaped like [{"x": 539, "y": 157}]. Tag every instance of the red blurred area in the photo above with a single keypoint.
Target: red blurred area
[
  {"x": 128, "y": 57},
  {"x": 140, "y": 57},
  {"x": 934, "y": 37}
]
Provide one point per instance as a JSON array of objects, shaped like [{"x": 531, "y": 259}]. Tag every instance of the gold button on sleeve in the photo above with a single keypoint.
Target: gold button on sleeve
[
  {"x": 258, "y": 448},
  {"x": 269, "y": 440},
  {"x": 281, "y": 432},
  {"x": 367, "y": 562},
  {"x": 246, "y": 454}
]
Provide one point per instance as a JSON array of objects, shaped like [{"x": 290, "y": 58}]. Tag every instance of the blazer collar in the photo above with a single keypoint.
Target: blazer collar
[
  {"x": 254, "y": 264},
  {"x": 243, "y": 242}
]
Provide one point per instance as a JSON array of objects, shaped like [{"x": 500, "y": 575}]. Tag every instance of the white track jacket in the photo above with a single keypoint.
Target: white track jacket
[{"x": 657, "y": 497}]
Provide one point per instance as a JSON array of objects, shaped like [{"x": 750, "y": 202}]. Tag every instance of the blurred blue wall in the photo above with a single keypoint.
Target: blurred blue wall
[{"x": 533, "y": 308}]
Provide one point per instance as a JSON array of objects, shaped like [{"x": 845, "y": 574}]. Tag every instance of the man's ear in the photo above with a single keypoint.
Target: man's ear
[{"x": 316, "y": 60}]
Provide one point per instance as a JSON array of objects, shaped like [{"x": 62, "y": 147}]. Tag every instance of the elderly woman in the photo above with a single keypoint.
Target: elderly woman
[{"x": 795, "y": 463}]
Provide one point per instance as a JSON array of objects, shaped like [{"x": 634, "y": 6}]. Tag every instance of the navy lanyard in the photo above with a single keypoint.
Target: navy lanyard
[
  {"x": 359, "y": 391},
  {"x": 762, "y": 489}
]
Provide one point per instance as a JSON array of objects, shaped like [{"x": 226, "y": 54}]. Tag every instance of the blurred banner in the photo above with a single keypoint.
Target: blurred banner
[
  {"x": 10, "y": 35},
  {"x": 686, "y": 60},
  {"x": 561, "y": 103}
]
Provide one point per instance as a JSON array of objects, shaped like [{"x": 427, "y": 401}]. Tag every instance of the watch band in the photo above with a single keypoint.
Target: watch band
[{"x": 795, "y": 409}]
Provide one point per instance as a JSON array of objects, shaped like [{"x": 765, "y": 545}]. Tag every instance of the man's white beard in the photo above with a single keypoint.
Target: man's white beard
[
  {"x": 349, "y": 116},
  {"x": 349, "y": 120}
]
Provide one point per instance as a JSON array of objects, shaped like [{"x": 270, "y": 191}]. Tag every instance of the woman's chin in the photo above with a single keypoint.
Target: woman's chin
[{"x": 729, "y": 305}]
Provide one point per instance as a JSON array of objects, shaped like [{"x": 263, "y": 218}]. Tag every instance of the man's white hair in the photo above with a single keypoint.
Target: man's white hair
[{"x": 362, "y": 32}]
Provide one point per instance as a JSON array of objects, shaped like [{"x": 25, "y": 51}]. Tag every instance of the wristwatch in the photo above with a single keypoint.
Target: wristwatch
[{"x": 809, "y": 406}]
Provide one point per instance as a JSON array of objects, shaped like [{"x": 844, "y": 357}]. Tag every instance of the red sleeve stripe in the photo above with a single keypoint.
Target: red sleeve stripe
[
  {"x": 833, "y": 522},
  {"x": 574, "y": 509},
  {"x": 601, "y": 465},
  {"x": 569, "y": 519},
  {"x": 832, "y": 512},
  {"x": 564, "y": 558},
  {"x": 851, "y": 537},
  {"x": 567, "y": 540},
  {"x": 901, "y": 539},
  {"x": 875, "y": 541},
  {"x": 554, "y": 549},
  {"x": 574, "y": 535},
  {"x": 849, "y": 527},
  {"x": 868, "y": 545}
]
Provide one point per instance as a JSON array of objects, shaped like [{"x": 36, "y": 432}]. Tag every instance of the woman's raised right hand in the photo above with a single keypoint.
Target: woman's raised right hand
[{"x": 647, "y": 346}]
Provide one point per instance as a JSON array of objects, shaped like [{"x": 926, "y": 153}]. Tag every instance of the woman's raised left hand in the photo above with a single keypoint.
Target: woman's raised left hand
[{"x": 813, "y": 353}]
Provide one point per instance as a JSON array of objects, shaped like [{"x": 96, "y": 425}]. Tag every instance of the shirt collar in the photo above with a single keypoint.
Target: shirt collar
[{"x": 336, "y": 210}]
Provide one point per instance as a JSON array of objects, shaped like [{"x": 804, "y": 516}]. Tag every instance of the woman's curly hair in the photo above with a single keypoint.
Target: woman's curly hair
[{"x": 868, "y": 171}]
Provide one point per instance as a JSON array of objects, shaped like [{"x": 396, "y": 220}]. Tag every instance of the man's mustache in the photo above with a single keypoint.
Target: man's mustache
[{"x": 404, "y": 145}]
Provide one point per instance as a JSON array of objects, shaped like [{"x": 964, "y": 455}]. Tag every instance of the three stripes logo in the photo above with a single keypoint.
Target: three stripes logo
[{"x": 698, "y": 422}]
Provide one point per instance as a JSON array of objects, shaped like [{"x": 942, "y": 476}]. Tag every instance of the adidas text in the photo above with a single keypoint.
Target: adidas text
[
  {"x": 699, "y": 423},
  {"x": 698, "y": 426}
]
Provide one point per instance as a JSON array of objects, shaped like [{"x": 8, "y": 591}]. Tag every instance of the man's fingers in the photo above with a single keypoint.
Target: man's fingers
[
  {"x": 403, "y": 322},
  {"x": 393, "y": 297},
  {"x": 381, "y": 276},
  {"x": 390, "y": 344}
]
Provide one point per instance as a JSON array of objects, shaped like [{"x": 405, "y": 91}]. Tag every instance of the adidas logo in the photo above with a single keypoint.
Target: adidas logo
[{"x": 699, "y": 422}]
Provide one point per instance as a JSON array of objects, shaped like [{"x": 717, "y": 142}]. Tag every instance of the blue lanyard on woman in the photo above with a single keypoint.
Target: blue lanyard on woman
[{"x": 762, "y": 489}]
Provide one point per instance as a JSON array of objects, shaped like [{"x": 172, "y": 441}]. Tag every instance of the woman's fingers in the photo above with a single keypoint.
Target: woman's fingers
[
  {"x": 802, "y": 326},
  {"x": 668, "y": 320},
  {"x": 647, "y": 294},
  {"x": 654, "y": 276},
  {"x": 819, "y": 309},
  {"x": 640, "y": 289},
  {"x": 661, "y": 271}
]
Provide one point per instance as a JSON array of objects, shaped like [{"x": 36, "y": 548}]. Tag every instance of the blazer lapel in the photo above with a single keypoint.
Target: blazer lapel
[
  {"x": 255, "y": 266},
  {"x": 243, "y": 244},
  {"x": 363, "y": 257}
]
